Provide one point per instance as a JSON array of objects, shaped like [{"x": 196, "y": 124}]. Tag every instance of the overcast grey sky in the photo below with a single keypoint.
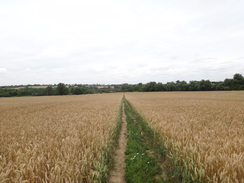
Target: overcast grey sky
[{"x": 120, "y": 41}]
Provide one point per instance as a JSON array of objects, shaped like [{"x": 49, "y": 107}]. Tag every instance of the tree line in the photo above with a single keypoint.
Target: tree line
[
  {"x": 236, "y": 83},
  {"x": 60, "y": 89}
]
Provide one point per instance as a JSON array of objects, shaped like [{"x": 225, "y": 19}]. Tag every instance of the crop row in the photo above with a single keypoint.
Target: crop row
[
  {"x": 203, "y": 131},
  {"x": 56, "y": 139}
]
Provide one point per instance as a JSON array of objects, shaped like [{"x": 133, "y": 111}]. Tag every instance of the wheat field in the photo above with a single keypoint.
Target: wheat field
[
  {"x": 55, "y": 139},
  {"x": 203, "y": 131}
]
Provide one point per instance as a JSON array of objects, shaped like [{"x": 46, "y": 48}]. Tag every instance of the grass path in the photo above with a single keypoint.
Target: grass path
[
  {"x": 141, "y": 155},
  {"x": 117, "y": 175},
  {"x": 142, "y": 164}
]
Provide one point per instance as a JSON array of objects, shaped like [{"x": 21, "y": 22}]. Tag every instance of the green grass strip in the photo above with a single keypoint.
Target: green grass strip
[
  {"x": 144, "y": 139},
  {"x": 140, "y": 166}
]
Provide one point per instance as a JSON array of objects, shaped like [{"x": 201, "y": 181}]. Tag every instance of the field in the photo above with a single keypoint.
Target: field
[
  {"x": 200, "y": 135},
  {"x": 203, "y": 131},
  {"x": 55, "y": 139}
]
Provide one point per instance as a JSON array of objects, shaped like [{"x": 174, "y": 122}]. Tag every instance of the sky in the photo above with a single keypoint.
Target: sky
[{"x": 120, "y": 41}]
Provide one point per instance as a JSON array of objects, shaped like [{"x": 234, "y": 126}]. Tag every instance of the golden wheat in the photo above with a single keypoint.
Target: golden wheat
[
  {"x": 204, "y": 131},
  {"x": 55, "y": 139}
]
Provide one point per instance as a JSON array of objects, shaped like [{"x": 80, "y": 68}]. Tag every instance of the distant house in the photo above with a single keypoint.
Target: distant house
[{"x": 102, "y": 86}]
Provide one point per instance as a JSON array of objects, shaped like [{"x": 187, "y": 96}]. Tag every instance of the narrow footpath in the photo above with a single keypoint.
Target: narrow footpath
[
  {"x": 141, "y": 155},
  {"x": 117, "y": 175}
]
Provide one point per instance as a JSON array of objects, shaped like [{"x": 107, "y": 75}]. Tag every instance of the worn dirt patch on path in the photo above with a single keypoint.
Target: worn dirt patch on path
[{"x": 117, "y": 175}]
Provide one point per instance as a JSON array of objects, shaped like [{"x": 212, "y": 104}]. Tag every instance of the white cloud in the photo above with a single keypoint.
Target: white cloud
[
  {"x": 3, "y": 70},
  {"x": 114, "y": 41}
]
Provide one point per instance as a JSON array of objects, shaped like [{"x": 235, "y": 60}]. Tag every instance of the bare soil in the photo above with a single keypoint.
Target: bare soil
[{"x": 117, "y": 175}]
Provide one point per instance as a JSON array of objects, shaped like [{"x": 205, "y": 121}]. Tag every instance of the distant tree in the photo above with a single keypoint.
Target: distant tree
[
  {"x": 205, "y": 85},
  {"x": 61, "y": 89},
  {"x": 138, "y": 87},
  {"x": 182, "y": 85},
  {"x": 241, "y": 87},
  {"x": 13, "y": 92},
  {"x": 4, "y": 93},
  {"x": 152, "y": 86},
  {"x": 171, "y": 86},
  {"x": 84, "y": 90},
  {"x": 26, "y": 91},
  {"x": 193, "y": 85},
  {"x": 77, "y": 91},
  {"x": 238, "y": 79},
  {"x": 160, "y": 87},
  {"x": 49, "y": 90},
  {"x": 228, "y": 84},
  {"x": 219, "y": 86},
  {"x": 126, "y": 87}
]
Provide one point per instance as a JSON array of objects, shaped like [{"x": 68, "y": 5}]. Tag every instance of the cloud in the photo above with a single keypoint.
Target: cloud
[
  {"x": 120, "y": 41},
  {"x": 3, "y": 70}
]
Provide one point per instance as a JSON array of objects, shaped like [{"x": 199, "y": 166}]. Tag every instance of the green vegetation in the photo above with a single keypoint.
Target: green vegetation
[
  {"x": 60, "y": 89},
  {"x": 237, "y": 83},
  {"x": 146, "y": 156},
  {"x": 140, "y": 166}
]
